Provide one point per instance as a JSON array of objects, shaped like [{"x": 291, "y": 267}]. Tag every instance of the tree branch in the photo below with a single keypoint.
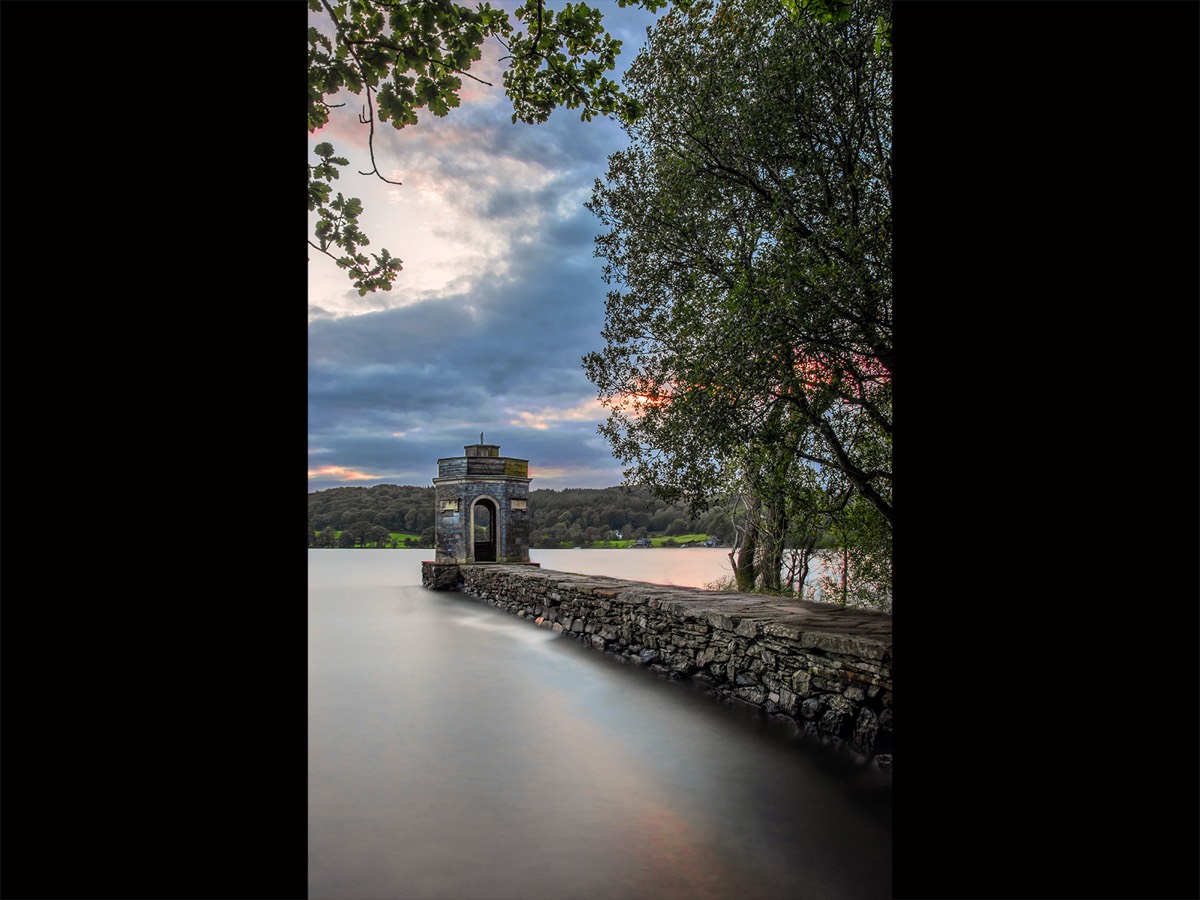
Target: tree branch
[
  {"x": 349, "y": 45},
  {"x": 842, "y": 463},
  {"x": 370, "y": 121},
  {"x": 538, "y": 36}
]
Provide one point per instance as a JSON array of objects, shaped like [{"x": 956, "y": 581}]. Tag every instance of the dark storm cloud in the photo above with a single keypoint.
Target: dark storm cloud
[{"x": 391, "y": 392}]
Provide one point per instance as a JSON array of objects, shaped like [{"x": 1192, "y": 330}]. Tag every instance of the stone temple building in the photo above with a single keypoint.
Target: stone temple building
[{"x": 482, "y": 512}]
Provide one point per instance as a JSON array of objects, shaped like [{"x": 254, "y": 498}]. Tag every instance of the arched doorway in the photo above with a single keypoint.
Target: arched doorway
[{"x": 484, "y": 529}]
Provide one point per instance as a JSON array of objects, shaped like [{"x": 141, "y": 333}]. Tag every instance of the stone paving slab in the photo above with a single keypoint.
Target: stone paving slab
[{"x": 785, "y": 616}]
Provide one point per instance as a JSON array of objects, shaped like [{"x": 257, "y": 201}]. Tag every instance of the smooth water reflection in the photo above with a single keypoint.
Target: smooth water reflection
[{"x": 456, "y": 751}]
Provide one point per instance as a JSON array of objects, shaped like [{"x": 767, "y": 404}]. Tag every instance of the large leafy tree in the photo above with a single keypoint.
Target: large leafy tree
[
  {"x": 750, "y": 245},
  {"x": 402, "y": 56}
]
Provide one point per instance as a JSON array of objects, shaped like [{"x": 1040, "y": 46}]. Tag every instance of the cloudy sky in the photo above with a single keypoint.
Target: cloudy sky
[{"x": 500, "y": 297}]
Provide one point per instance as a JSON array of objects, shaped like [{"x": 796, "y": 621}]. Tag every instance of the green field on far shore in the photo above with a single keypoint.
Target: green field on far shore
[{"x": 399, "y": 537}]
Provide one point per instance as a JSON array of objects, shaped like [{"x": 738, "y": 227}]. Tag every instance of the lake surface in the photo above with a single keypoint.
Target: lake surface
[
  {"x": 681, "y": 566},
  {"x": 456, "y": 751}
]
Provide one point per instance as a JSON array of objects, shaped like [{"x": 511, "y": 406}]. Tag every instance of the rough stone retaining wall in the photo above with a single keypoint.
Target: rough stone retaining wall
[{"x": 825, "y": 668}]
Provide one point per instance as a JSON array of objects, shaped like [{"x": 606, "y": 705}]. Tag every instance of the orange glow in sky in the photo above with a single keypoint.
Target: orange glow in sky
[{"x": 340, "y": 472}]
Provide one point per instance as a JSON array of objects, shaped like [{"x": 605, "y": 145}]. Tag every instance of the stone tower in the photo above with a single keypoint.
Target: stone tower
[{"x": 482, "y": 501}]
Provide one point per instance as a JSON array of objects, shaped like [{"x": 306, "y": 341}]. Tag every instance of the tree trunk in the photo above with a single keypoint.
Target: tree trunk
[
  {"x": 806, "y": 554},
  {"x": 744, "y": 573},
  {"x": 772, "y": 546},
  {"x": 845, "y": 574}
]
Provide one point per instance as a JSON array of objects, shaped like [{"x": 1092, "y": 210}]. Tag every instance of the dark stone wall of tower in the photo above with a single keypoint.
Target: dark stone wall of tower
[
  {"x": 463, "y": 482},
  {"x": 454, "y": 498}
]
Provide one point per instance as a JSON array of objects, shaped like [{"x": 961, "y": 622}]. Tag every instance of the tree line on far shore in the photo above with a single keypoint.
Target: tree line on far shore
[{"x": 572, "y": 517}]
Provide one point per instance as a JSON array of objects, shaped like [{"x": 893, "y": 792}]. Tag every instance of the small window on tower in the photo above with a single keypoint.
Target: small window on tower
[
  {"x": 450, "y": 506},
  {"x": 519, "y": 504}
]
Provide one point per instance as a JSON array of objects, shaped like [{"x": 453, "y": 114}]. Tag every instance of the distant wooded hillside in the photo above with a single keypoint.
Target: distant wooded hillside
[{"x": 573, "y": 516}]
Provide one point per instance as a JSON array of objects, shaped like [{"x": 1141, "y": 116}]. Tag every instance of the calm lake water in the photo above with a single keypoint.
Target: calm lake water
[
  {"x": 682, "y": 566},
  {"x": 456, "y": 751}
]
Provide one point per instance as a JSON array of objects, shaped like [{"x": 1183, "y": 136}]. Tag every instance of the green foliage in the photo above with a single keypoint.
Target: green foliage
[
  {"x": 399, "y": 509},
  {"x": 883, "y": 34},
  {"x": 365, "y": 536},
  {"x": 833, "y": 12},
  {"x": 827, "y": 12}
]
